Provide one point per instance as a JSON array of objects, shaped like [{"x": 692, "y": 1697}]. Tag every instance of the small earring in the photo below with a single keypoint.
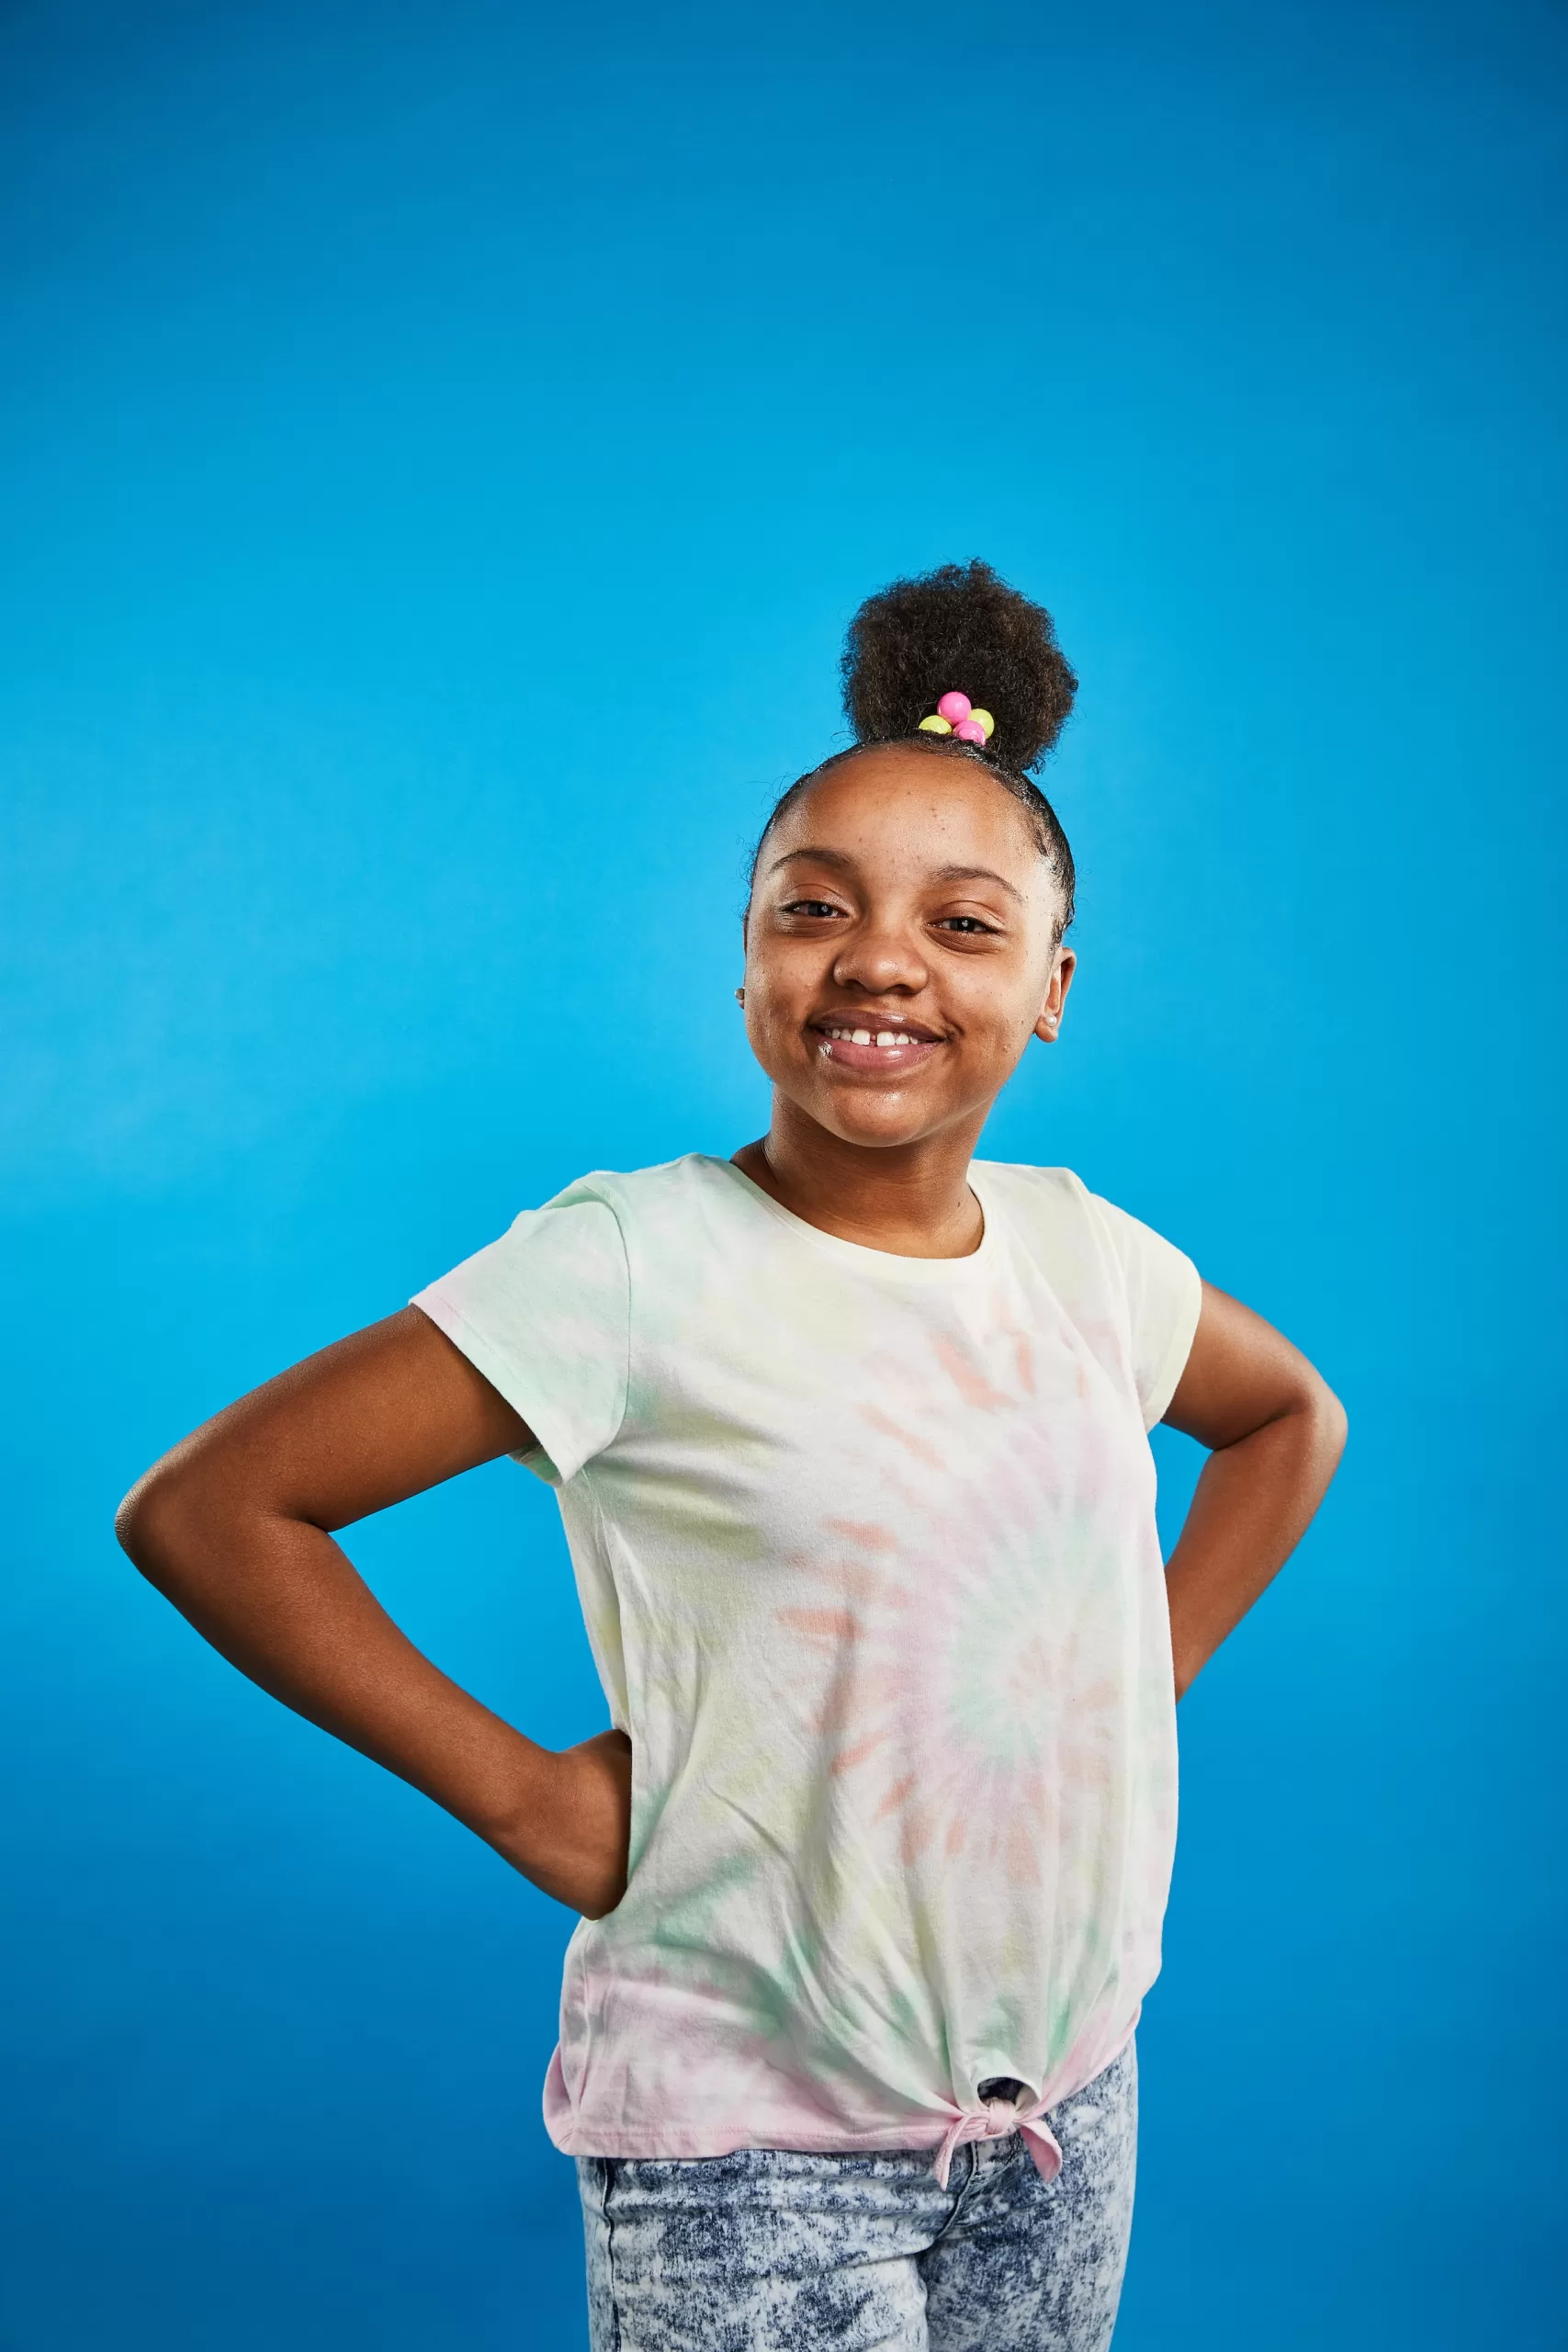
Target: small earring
[{"x": 739, "y": 996}]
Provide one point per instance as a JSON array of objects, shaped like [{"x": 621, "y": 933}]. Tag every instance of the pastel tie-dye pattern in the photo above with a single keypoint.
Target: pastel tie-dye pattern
[{"x": 867, "y": 1555}]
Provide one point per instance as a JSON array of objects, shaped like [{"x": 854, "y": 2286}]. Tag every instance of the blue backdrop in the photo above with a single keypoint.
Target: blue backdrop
[{"x": 442, "y": 448}]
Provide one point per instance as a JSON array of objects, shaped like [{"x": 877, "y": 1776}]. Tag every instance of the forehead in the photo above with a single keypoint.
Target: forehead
[{"x": 901, "y": 813}]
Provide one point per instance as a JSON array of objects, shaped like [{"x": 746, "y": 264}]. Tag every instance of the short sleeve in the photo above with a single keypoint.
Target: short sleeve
[
  {"x": 1164, "y": 1294},
  {"x": 545, "y": 1314}
]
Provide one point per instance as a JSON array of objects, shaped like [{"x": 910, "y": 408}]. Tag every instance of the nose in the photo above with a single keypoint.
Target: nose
[{"x": 881, "y": 958}]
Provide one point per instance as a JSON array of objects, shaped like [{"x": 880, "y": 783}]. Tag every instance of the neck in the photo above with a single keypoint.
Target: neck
[{"x": 912, "y": 1200}]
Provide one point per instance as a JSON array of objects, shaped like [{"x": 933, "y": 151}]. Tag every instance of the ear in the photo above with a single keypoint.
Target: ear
[{"x": 1050, "y": 1021}]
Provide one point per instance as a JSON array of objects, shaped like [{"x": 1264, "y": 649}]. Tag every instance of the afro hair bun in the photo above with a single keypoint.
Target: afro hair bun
[{"x": 959, "y": 628}]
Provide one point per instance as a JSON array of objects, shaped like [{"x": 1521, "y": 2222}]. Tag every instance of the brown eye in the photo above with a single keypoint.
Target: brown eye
[
  {"x": 811, "y": 907},
  {"x": 971, "y": 923}
]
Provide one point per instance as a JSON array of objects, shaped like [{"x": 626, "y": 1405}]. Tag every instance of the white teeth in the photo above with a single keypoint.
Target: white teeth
[{"x": 888, "y": 1039}]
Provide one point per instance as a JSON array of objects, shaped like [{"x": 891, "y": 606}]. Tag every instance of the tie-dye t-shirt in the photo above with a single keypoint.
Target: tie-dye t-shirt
[{"x": 866, "y": 1550}]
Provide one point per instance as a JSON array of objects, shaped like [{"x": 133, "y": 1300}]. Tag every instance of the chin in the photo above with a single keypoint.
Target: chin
[{"x": 859, "y": 1124}]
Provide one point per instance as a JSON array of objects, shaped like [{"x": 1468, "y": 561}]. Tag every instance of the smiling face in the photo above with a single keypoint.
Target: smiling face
[{"x": 901, "y": 948}]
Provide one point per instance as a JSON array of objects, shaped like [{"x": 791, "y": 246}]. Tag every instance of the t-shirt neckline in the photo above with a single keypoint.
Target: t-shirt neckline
[{"x": 859, "y": 1253}]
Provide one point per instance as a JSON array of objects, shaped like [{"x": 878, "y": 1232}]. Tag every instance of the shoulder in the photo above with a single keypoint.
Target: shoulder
[
  {"x": 637, "y": 1197},
  {"x": 1052, "y": 1212},
  {"x": 1052, "y": 1217},
  {"x": 1111, "y": 1271},
  {"x": 661, "y": 1215},
  {"x": 1035, "y": 1199},
  {"x": 1055, "y": 1198}
]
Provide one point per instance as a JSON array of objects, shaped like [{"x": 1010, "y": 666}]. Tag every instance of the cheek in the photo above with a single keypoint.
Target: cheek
[
  {"x": 767, "y": 984},
  {"x": 778, "y": 994},
  {"x": 998, "y": 1005},
  {"x": 998, "y": 1038},
  {"x": 782, "y": 971}
]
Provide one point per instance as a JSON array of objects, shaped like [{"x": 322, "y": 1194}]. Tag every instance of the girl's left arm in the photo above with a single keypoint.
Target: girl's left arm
[{"x": 1276, "y": 1431}]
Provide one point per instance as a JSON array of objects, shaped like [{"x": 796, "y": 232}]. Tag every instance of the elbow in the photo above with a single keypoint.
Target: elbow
[
  {"x": 134, "y": 1521},
  {"x": 149, "y": 1522},
  {"x": 1332, "y": 1424}
]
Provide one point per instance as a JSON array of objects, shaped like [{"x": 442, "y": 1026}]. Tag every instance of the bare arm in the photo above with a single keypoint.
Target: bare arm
[
  {"x": 1277, "y": 1432},
  {"x": 235, "y": 1527}
]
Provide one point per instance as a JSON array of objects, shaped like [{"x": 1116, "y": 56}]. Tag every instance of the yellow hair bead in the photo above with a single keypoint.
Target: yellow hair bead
[
  {"x": 983, "y": 719},
  {"x": 935, "y": 726}
]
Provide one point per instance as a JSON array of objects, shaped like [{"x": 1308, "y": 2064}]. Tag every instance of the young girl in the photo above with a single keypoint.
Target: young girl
[{"x": 850, "y": 1439}]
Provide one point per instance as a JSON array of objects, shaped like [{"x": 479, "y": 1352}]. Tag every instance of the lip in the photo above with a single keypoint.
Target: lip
[{"x": 917, "y": 1044}]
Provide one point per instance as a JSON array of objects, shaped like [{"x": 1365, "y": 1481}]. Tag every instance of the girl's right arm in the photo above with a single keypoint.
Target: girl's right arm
[{"x": 235, "y": 1527}]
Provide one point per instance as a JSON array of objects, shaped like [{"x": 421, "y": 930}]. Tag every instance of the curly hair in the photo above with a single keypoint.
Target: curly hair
[{"x": 960, "y": 627}]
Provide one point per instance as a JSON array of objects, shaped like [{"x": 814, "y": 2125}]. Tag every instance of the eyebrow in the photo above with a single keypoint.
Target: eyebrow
[
  {"x": 979, "y": 874},
  {"x": 837, "y": 857}
]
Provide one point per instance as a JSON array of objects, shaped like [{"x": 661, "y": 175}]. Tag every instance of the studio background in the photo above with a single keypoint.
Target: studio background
[{"x": 442, "y": 446}]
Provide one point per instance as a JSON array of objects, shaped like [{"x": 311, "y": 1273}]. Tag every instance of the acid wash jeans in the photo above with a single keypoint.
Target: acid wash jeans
[{"x": 766, "y": 2251}]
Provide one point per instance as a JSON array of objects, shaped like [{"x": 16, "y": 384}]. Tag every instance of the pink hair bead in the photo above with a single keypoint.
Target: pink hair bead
[
  {"x": 969, "y": 730},
  {"x": 953, "y": 707}
]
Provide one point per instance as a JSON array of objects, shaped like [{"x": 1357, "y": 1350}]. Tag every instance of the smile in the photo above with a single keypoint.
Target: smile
[{"x": 864, "y": 1046}]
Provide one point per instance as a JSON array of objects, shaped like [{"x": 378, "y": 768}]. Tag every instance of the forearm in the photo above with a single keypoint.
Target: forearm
[
  {"x": 282, "y": 1602},
  {"x": 1253, "y": 1501}
]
